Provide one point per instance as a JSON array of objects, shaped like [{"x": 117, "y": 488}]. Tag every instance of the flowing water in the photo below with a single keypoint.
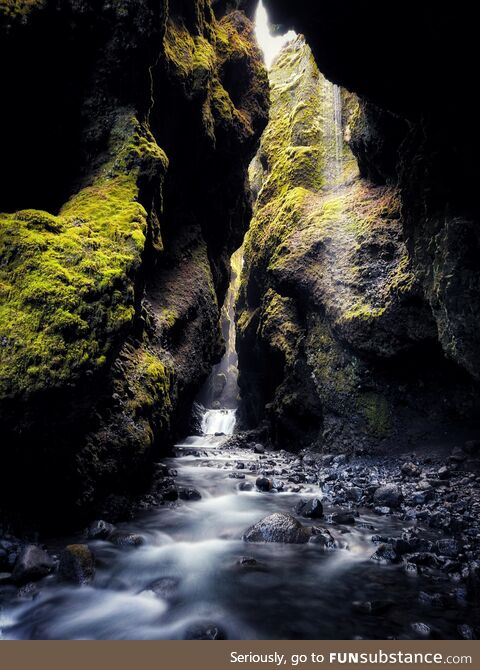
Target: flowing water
[{"x": 192, "y": 550}]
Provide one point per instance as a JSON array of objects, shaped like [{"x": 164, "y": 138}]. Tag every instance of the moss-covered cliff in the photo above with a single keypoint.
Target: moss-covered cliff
[
  {"x": 338, "y": 345},
  {"x": 130, "y": 134}
]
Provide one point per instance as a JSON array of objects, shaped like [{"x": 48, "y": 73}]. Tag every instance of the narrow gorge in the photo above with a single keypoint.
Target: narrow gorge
[{"x": 239, "y": 321}]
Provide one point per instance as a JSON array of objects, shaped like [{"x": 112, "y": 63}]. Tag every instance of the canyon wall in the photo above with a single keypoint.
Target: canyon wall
[
  {"x": 129, "y": 130},
  {"x": 341, "y": 342}
]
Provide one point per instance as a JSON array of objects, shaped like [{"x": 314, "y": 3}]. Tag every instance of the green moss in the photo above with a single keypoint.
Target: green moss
[
  {"x": 333, "y": 369},
  {"x": 18, "y": 8},
  {"x": 278, "y": 325},
  {"x": 377, "y": 412},
  {"x": 150, "y": 387},
  {"x": 67, "y": 282}
]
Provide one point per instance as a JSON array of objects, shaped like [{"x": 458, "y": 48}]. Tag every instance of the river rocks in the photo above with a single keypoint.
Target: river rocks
[
  {"x": 32, "y": 564},
  {"x": 448, "y": 547},
  {"x": 99, "y": 530},
  {"x": 278, "y": 527},
  {"x": 421, "y": 630},
  {"x": 165, "y": 587},
  {"x": 385, "y": 554},
  {"x": 389, "y": 495},
  {"x": 205, "y": 631},
  {"x": 310, "y": 509},
  {"x": 343, "y": 517},
  {"x": 189, "y": 493},
  {"x": 323, "y": 538},
  {"x": 263, "y": 484},
  {"x": 77, "y": 564},
  {"x": 126, "y": 539},
  {"x": 411, "y": 470}
]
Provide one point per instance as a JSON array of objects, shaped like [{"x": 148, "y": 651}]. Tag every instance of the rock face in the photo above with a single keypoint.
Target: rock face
[
  {"x": 338, "y": 342},
  {"x": 117, "y": 231},
  {"x": 278, "y": 527},
  {"x": 410, "y": 133},
  {"x": 32, "y": 564}
]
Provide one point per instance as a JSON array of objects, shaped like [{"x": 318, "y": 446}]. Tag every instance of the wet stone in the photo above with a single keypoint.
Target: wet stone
[
  {"x": 32, "y": 564},
  {"x": 343, "y": 518},
  {"x": 77, "y": 564},
  {"x": 310, "y": 509},
  {"x": 388, "y": 496},
  {"x": 263, "y": 484},
  {"x": 385, "y": 554},
  {"x": 278, "y": 527},
  {"x": 165, "y": 587},
  {"x": 189, "y": 494},
  {"x": 421, "y": 629},
  {"x": 125, "y": 539},
  {"x": 205, "y": 631},
  {"x": 99, "y": 530}
]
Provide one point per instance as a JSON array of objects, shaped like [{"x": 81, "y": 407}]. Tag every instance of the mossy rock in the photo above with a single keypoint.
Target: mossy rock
[{"x": 68, "y": 282}]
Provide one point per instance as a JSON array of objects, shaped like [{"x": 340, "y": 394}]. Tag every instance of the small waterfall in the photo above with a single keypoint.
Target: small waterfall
[
  {"x": 220, "y": 394},
  {"x": 218, "y": 422},
  {"x": 337, "y": 112}
]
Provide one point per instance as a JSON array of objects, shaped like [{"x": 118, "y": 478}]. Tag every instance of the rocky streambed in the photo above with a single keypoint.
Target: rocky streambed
[{"x": 235, "y": 541}]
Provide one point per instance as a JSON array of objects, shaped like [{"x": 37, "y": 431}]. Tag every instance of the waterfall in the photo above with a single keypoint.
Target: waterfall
[
  {"x": 337, "y": 112},
  {"x": 218, "y": 422},
  {"x": 338, "y": 126},
  {"x": 219, "y": 394}
]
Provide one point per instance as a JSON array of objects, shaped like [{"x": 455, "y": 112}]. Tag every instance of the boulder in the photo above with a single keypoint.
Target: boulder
[
  {"x": 389, "y": 495},
  {"x": 99, "y": 530},
  {"x": 32, "y": 564},
  {"x": 310, "y": 509},
  {"x": 263, "y": 484},
  {"x": 77, "y": 564},
  {"x": 189, "y": 493},
  {"x": 278, "y": 527}
]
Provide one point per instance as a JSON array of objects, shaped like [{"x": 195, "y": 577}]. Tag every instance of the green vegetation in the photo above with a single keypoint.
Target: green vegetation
[
  {"x": 67, "y": 282},
  {"x": 377, "y": 412}
]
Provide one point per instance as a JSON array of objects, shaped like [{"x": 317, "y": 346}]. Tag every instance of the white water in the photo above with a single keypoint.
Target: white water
[
  {"x": 337, "y": 120},
  {"x": 218, "y": 421}
]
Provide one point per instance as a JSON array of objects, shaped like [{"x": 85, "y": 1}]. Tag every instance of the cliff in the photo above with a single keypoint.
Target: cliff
[{"x": 130, "y": 129}]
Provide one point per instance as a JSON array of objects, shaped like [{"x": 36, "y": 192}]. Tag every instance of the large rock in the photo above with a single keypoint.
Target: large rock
[
  {"x": 389, "y": 495},
  {"x": 77, "y": 564},
  {"x": 278, "y": 527},
  {"x": 32, "y": 564}
]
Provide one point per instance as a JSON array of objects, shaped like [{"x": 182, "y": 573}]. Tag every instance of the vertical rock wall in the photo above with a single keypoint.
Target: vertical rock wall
[{"x": 131, "y": 126}]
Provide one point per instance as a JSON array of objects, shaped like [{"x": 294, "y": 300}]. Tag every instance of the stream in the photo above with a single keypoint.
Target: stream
[
  {"x": 190, "y": 578},
  {"x": 194, "y": 577}
]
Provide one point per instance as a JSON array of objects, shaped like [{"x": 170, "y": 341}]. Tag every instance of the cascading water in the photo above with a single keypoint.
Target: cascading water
[
  {"x": 218, "y": 422},
  {"x": 220, "y": 393},
  {"x": 337, "y": 119}
]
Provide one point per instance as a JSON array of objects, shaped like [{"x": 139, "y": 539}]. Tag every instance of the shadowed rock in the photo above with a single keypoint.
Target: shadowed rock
[{"x": 278, "y": 527}]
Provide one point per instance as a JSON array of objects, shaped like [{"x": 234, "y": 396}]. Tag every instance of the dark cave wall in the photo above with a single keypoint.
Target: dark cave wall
[{"x": 131, "y": 129}]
